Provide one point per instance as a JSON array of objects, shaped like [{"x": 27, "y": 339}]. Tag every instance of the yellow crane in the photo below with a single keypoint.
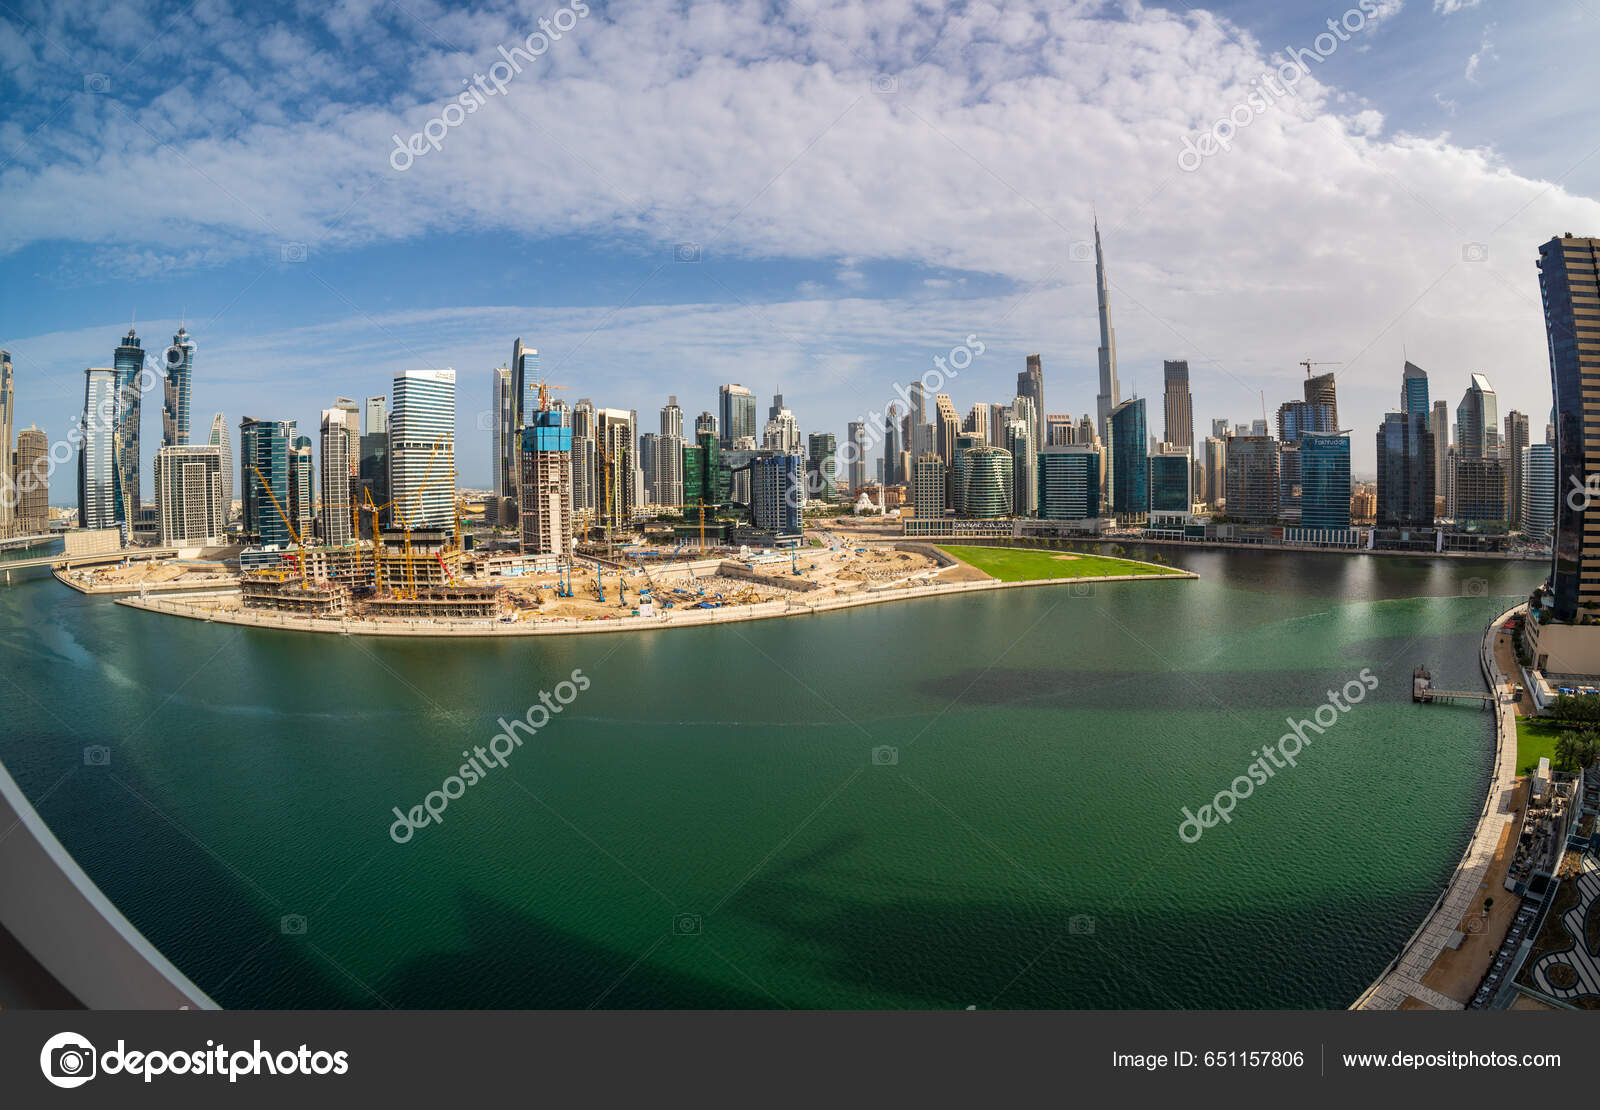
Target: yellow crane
[{"x": 305, "y": 576}]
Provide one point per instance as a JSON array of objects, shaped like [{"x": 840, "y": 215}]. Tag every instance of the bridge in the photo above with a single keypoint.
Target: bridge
[
  {"x": 29, "y": 541},
  {"x": 1423, "y": 690},
  {"x": 67, "y": 562}
]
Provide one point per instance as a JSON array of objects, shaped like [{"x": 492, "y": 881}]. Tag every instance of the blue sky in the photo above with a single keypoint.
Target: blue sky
[{"x": 867, "y": 185}]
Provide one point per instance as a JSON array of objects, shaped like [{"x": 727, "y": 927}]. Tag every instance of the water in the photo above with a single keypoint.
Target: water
[{"x": 706, "y": 824}]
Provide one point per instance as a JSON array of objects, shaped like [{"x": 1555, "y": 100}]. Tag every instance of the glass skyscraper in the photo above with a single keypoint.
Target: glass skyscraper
[
  {"x": 1130, "y": 443},
  {"x": 176, "y": 389},
  {"x": 1171, "y": 481},
  {"x": 128, "y": 364},
  {"x": 1569, "y": 284},
  {"x": 1406, "y": 476},
  {"x": 100, "y": 501},
  {"x": 1414, "y": 390},
  {"x": 265, "y": 446},
  {"x": 1325, "y": 480},
  {"x": 422, "y": 448},
  {"x": 1538, "y": 490},
  {"x": 736, "y": 413},
  {"x": 1069, "y": 481}
]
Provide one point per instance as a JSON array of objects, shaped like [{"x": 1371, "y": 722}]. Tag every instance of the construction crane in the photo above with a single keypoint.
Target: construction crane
[
  {"x": 1308, "y": 364},
  {"x": 611, "y": 507},
  {"x": 305, "y": 577},
  {"x": 377, "y": 554}
]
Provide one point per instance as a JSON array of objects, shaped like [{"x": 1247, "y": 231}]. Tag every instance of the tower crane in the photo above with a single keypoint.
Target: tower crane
[
  {"x": 1308, "y": 364},
  {"x": 305, "y": 577}
]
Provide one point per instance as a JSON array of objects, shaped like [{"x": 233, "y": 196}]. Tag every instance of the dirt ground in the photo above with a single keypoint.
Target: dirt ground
[{"x": 1457, "y": 972}]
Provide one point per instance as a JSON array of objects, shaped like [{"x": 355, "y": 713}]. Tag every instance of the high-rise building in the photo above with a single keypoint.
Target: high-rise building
[
  {"x": 949, "y": 427},
  {"x": 820, "y": 449},
  {"x": 1439, "y": 425},
  {"x": 1253, "y": 485},
  {"x": 1414, "y": 390},
  {"x": 1030, "y": 384},
  {"x": 8, "y": 474},
  {"x": 918, "y": 402},
  {"x": 705, "y": 480},
  {"x": 999, "y": 416},
  {"x": 545, "y": 484},
  {"x": 1086, "y": 431},
  {"x": 1320, "y": 390},
  {"x": 375, "y": 420},
  {"x": 977, "y": 421},
  {"x": 928, "y": 483},
  {"x": 857, "y": 433},
  {"x": 1515, "y": 442},
  {"x": 1538, "y": 490},
  {"x": 1024, "y": 467},
  {"x": 1177, "y": 405},
  {"x": 667, "y": 461},
  {"x": 891, "y": 448},
  {"x": 175, "y": 390},
  {"x": 1219, "y": 428},
  {"x": 1069, "y": 482},
  {"x": 303, "y": 487},
  {"x": 705, "y": 422},
  {"x": 1480, "y": 492},
  {"x": 1296, "y": 418},
  {"x": 190, "y": 508},
  {"x": 777, "y": 493},
  {"x": 1129, "y": 442},
  {"x": 31, "y": 472},
  {"x": 1325, "y": 481},
  {"x": 736, "y": 413},
  {"x": 340, "y": 447},
  {"x": 1216, "y": 464},
  {"x": 1110, "y": 395},
  {"x": 127, "y": 361},
  {"x": 1171, "y": 480},
  {"x": 1060, "y": 428},
  {"x": 988, "y": 481},
  {"x": 1569, "y": 270},
  {"x": 500, "y": 420},
  {"x": 782, "y": 433},
  {"x": 264, "y": 450},
  {"x": 1406, "y": 476},
  {"x": 615, "y": 497},
  {"x": 101, "y": 503},
  {"x": 1478, "y": 421},
  {"x": 422, "y": 448},
  {"x": 222, "y": 438}
]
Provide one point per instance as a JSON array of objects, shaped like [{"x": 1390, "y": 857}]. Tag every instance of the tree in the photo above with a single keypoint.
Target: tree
[{"x": 1567, "y": 746}]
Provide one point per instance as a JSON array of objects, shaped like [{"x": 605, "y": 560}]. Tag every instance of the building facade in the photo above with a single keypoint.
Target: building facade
[
  {"x": 1130, "y": 478},
  {"x": 340, "y": 447},
  {"x": 1177, "y": 407},
  {"x": 1325, "y": 481},
  {"x": 422, "y": 448},
  {"x": 545, "y": 489},
  {"x": 190, "y": 506},
  {"x": 176, "y": 389},
  {"x": 1406, "y": 459},
  {"x": 1253, "y": 485}
]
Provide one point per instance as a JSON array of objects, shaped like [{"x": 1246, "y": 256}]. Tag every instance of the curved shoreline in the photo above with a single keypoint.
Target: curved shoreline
[
  {"x": 767, "y": 610},
  {"x": 1402, "y": 977}
]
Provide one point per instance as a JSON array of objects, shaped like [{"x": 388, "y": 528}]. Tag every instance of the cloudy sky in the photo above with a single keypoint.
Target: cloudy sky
[{"x": 814, "y": 196}]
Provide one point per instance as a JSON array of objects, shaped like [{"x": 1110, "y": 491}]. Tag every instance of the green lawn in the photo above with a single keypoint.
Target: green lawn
[
  {"x": 1014, "y": 565},
  {"x": 1535, "y": 738}
]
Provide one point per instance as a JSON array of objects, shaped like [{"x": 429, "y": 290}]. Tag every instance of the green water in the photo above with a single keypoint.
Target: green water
[{"x": 1021, "y": 852}]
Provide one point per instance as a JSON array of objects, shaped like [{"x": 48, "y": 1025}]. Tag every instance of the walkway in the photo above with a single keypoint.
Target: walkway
[
  {"x": 1403, "y": 978},
  {"x": 1579, "y": 959}
]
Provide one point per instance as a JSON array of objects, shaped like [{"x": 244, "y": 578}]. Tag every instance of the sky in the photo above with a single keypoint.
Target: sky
[{"x": 812, "y": 197}]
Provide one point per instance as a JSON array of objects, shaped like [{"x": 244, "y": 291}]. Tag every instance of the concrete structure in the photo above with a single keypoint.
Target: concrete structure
[
  {"x": 856, "y": 433},
  {"x": 545, "y": 486},
  {"x": 1177, "y": 406},
  {"x": 303, "y": 487},
  {"x": 1320, "y": 390},
  {"x": 1480, "y": 492},
  {"x": 1024, "y": 467},
  {"x": 1253, "y": 478},
  {"x": 191, "y": 510},
  {"x": 422, "y": 449},
  {"x": 30, "y": 472},
  {"x": 500, "y": 417},
  {"x": 340, "y": 448}
]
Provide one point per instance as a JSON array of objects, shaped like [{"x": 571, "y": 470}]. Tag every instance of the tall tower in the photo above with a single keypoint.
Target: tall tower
[
  {"x": 127, "y": 362},
  {"x": 1568, "y": 269},
  {"x": 422, "y": 448},
  {"x": 8, "y": 477},
  {"x": 1414, "y": 390},
  {"x": 1110, "y": 392},
  {"x": 175, "y": 391},
  {"x": 1178, "y": 406},
  {"x": 100, "y": 500},
  {"x": 1320, "y": 390},
  {"x": 501, "y": 421},
  {"x": 1512, "y": 447},
  {"x": 223, "y": 438},
  {"x": 1030, "y": 384},
  {"x": 339, "y": 451}
]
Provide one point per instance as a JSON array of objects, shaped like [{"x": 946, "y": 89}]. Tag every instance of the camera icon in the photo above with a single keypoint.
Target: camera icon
[
  {"x": 1080, "y": 589},
  {"x": 884, "y": 84},
  {"x": 292, "y": 925},
  {"x": 97, "y": 83},
  {"x": 686, "y": 252},
  {"x": 686, "y": 924},
  {"x": 1475, "y": 587},
  {"x": 1080, "y": 925},
  {"x": 486, "y": 420},
  {"x": 1474, "y": 252},
  {"x": 885, "y": 756},
  {"x": 1582, "y": 494},
  {"x": 291, "y": 252},
  {"x": 97, "y": 755},
  {"x": 1080, "y": 250},
  {"x": 68, "y": 1060}
]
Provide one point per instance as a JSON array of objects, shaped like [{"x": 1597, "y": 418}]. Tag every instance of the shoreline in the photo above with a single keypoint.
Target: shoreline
[
  {"x": 788, "y": 607},
  {"x": 1402, "y": 977}
]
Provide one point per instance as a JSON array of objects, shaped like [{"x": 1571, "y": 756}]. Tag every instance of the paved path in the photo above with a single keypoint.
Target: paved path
[
  {"x": 1584, "y": 963},
  {"x": 1404, "y": 977}
]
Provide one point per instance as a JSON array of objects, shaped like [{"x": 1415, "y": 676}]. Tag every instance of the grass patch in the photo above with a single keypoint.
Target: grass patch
[
  {"x": 1535, "y": 737},
  {"x": 1010, "y": 564}
]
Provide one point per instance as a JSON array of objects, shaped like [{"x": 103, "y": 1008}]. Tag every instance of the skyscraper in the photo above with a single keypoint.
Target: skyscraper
[
  {"x": 375, "y": 420},
  {"x": 949, "y": 426},
  {"x": 422, "y": 448},
  {"x": 1171, "y": 480},
  {"x": 777, "y": 493},
  {"x": 1030, "y": 384},
  {"x": 1253, "y": 485},
  {"x": 546, "y": 485},
  {"x": 989, "y": 482},
  {"x": 1538, "y": 490},
  {"x": 1216, "y": 460},
  {"x": 857, "y": 433},
  {"x": 891, "y": 447},
  {"x": 820, "y": 447},
  {"x": 1414, "y": 390},
  {"x": 928, "y": 481},
  {"x": 127, "y": 361},
  {"x": 31, "y": 473},
  {"x": 1406, "y": 476},
  {"x": 1130, "y": 478},
  {"x": 340, "y": 447},
  {"x": 1477, "y": 420},
  {"x": 1069, "y": 482},
  {"x": 1177, "y": 405},
  {"x": 1325, "y": 481},
  {"x": 302, "y": 504},
  {"x": 1515, "y": 442},
  {"x": 705, "y": 422},
  {"x": 8, "y": 475},
  {"x": 1569, "y": 269},
  {"x": 265, "y": 447},
  {"x": 736, "y": 413},
  {"x": 1320, "y": 390},
  {"x": 1110, "y": 392},
  {"x": 501, "y": 420},
  {"x": 100, "y": 500},
  {"x": 1024, "y": 467},
  {"x": 222, "y": 438},
  {"x": 1439, "y": 425},
  {"x": 175, "y": 390},
  {"x": 189, "y": 504}
]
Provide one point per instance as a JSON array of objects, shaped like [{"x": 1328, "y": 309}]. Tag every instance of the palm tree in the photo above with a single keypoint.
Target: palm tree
[
  {"x": 1567, "y": 745},
  {"x": 1588, "y": 750}
]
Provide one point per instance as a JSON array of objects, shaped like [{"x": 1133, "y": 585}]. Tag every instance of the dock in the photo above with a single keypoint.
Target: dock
[{"x": 1423, "y": 690}]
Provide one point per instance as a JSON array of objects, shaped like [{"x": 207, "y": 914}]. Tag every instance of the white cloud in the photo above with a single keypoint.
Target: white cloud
[
  {"x": 1450, "y": 7},
  {"x": 1485, "y": 52}
]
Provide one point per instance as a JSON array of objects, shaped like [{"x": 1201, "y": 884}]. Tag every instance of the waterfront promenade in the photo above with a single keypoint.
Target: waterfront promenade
[{"x": 1402, "y": 979}]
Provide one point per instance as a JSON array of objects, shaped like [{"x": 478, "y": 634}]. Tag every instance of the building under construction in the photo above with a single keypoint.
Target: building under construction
[
  {"x": 436, "y": 603},
  {"x": 282, "y": 593}
]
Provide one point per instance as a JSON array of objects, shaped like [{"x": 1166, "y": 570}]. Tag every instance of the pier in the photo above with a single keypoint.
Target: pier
[{"x": 1423, "y": 690}]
